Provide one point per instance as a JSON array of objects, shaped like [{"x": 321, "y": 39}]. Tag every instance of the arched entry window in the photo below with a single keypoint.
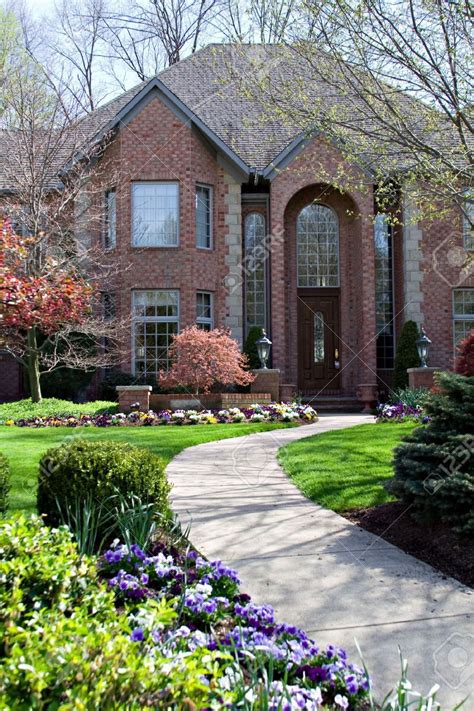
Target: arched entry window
[
  {"x": 317, "y": 237},
  {"x": 255, "y": 270}
]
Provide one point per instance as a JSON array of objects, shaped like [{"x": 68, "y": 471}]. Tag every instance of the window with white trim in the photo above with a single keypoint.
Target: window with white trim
[
  {"x": 155, "y": 317},
  {"x": 468, "y": 220},
  {"x": 110, "y": 227},
  {"x": 203, "y": 217},
  {"x": 204, "y": 310},
  {"x": 255, "y": 270},
  {"x": 155, "y": 214},
  {"x": 317, "y": 236},
  {"x": 463, "y": 314}
]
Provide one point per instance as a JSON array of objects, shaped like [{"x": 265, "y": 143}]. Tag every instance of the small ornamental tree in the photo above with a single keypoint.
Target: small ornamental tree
[
  {"x": 201, "y": 359},
  {"x": 465, "y": 357},
  {"x": 406, "y": 355}
]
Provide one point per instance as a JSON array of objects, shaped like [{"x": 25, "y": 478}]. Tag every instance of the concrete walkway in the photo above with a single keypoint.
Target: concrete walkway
[{"x": 319, "y": 570}]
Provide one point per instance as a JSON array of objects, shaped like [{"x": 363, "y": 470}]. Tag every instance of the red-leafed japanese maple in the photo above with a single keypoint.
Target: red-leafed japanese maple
[
  {"x": 201, "y": 359},
  {"x": 465, "y": 356}
]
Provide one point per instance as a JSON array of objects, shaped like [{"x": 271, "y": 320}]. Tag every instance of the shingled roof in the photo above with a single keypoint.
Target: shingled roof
[{"x": 228, "y": 90}]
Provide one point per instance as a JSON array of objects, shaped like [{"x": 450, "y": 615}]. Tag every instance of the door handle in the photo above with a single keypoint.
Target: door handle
[{"x": 337, "y": 362}]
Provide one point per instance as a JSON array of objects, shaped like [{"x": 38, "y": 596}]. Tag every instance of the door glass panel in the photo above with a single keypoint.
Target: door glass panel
[{"x": 318, "y": 337}]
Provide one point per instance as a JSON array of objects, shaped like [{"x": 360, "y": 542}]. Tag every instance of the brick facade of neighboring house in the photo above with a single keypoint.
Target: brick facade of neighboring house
[{"x": 322, "y": 310}]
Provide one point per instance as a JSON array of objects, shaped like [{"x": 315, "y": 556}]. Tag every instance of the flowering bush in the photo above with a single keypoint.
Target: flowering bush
[
  {"x": 275, "y": 412},
  {"x": 201, "y": 359},
  {"x": 400, "y": 412}
]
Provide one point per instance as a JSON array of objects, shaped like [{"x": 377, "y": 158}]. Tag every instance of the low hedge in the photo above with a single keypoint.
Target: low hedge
[
  {"x": 81, "y": 470},
  {"x": 4, "y": 483}
]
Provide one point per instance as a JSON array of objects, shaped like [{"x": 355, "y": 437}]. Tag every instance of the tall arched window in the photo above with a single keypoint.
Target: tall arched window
[
  {"x": 255, "y": 270},
  {"x": 317, "y": 237}
]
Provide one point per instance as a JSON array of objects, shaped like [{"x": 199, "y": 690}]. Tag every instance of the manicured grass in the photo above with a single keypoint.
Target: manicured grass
[
  {"x": 345, "y": 469},
  {"x": 25, "y": 446}
]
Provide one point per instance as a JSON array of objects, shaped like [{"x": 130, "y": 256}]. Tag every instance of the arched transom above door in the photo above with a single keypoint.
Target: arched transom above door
[{"x": 317, "y": 238}]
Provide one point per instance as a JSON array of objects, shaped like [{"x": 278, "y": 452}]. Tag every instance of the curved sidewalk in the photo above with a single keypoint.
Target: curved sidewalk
[{"x": 319, "y": 570}]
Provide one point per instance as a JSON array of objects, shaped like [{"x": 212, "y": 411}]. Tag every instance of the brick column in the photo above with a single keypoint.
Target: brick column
[
  {"x": 421, "y": 377},
  {"x": 267, "y": 381},
  {"x": 130, "y": 394}
]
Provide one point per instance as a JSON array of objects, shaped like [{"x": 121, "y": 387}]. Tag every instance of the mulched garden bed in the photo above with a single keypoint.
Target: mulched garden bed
[{"x": 435, "y": 544}]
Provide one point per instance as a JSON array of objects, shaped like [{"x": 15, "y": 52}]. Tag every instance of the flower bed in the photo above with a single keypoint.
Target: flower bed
[
  {"x": 274, "y": 412},
  {"x": 167, "y": 629},
  {"x": 401, "y": 412}
]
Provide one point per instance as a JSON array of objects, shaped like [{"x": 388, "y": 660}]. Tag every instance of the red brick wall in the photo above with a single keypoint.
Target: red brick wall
[
  {"x": 157, "y": 146},
  {"x": 445, "y": 267}
]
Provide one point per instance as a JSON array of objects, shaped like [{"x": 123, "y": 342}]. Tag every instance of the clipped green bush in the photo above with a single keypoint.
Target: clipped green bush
[
  {"x": 4, "y": 484},
  {"x": 406, "y": 355},
  {"x": 52, "y": 407},
  {"x": 434, "y": 466},
  {"x": 250, "y": 347},
  {"x": 82, "y": 469}
]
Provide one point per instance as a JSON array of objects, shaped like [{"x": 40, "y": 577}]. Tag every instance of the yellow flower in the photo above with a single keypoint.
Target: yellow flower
[
  {"x": 212, "y": 420},
  {"x": 10, "y": 422}
]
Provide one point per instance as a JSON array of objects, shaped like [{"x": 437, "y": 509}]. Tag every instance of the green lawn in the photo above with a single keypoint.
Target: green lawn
[
  {"x": 24, "y": 446},
  {"x": 345, "y": 469}
]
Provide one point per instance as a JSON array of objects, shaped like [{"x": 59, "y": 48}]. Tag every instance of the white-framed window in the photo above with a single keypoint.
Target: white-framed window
[
  {"x": 463, "y": 314},
  {"x": 203, "y": 216},
  {"x": 468, "y": 220},
  {"x": 155, "y": 317},
  {"x": 255, "y": 270},
  {"x": 155, "y": 214},
  {"x": 317, "y": 237},
  {"x": 110, "y": 226},
  {"x": 204, "y": 310}
]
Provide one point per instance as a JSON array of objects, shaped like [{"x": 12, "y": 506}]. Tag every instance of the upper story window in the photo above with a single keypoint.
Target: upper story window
[
  {"x": 255, "y": 270},
  {"x": 203, "y": 216},
  {"x": 317, "y": 237},
  {"x": 463, "y": 313},
  {"x": 155, "y": 214},
  {"x": 110, "y": 227},
  {"x": 204, "y": 310},
  {"x": 468, "y": 220},
  {"x": 155, "y": 317}
]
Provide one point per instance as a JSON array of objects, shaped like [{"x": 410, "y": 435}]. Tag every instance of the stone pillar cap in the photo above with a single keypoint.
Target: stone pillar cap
[{"x": 132, "y": 388}]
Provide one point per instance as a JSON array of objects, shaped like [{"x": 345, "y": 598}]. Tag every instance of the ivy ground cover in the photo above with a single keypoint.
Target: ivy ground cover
[{"x": 25, "y": 446}]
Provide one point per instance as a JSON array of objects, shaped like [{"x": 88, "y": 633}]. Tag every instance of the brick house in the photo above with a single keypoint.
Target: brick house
[{"x": 235, "y": 223}]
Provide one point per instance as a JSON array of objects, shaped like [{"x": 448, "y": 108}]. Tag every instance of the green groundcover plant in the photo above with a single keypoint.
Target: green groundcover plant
[
  {"x": 49, "y": 407},
  {"x": 161, "y": 629},
  {"x": 4, "y": 484}
]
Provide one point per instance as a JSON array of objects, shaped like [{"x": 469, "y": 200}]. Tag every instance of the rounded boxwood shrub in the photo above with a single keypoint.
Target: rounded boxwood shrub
[
  {"x": 4, "y": 483},
  {"x": 99, "y": 469}
]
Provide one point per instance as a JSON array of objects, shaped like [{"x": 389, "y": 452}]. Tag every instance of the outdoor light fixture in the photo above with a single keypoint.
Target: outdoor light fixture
[
  {"x": 423, "y": 345},
  {"x": 263, "y": 349}
]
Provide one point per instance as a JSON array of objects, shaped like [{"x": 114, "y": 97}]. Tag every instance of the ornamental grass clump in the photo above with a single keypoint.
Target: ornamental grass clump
[{"x": 4, "y": 484}]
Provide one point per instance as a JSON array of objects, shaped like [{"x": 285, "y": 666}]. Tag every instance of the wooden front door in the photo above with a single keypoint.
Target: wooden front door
[{"x": 318, "y": 341}]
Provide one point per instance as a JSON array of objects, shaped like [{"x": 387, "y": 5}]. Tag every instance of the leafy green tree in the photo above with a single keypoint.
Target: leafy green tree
[
  {"x": 406, "y": 355},
  {"x": 434, "y": 466}
]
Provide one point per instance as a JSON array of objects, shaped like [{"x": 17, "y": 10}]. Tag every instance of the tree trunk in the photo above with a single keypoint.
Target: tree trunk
[{"x": 33, "y": 366}]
